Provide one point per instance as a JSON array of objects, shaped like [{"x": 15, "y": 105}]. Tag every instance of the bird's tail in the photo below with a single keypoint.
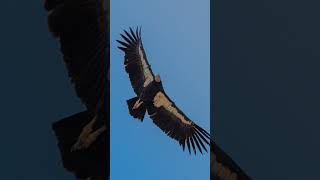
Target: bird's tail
[
  {"x": 137, "y": 108},
  {"x": 82, "y": 162}
]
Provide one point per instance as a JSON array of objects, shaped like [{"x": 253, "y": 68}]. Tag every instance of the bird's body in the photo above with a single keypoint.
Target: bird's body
[{"x": 148, "y": 95}]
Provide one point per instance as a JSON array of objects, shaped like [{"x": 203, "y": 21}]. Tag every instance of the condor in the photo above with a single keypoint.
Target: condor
[
  {"x": 82, "y": 27},
  {"x": 152, "y": 98}
]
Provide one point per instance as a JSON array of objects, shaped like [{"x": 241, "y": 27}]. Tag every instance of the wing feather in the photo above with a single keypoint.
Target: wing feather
[
  {"x": 196, "y": 142},
  {"x": 200, "y": 141},
  {"x": 177, "y": 125},
  {"x": 192, "y": 143},
  {"x": 135, "y": 60},
  {"x": 188, "y": 144},
  {"x": 81, "y": 27}
]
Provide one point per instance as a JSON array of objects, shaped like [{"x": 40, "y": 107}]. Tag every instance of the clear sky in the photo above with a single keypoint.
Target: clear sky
[{"x": 176, "y": 37}]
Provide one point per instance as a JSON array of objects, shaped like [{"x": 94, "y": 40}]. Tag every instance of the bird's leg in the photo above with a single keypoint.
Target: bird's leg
[{"x": 87, "y": 135}]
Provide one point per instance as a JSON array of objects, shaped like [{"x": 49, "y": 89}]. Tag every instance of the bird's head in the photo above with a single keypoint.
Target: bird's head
[
  {"x": 158, "y": 82},
  {"x": 157, "y": 78}
]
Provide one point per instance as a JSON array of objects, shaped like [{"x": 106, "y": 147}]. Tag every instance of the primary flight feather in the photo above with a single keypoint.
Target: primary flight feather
[{"x": 152, "y": 98}]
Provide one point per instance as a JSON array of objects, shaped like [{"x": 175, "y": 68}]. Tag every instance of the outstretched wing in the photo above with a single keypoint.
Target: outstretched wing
[
  {"x": 223, "y": 167},
  {"x": 81, "y": 26},
  {"x": 176, "y": 124},
  {"x": 135, "y": 60}
]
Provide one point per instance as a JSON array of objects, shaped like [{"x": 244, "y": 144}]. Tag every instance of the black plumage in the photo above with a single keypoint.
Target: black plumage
[
  {"x": 82, "y": 27},
  {"x": 152, "y": 98}
]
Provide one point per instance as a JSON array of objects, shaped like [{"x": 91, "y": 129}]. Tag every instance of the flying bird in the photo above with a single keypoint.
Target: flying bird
[
  {"x": 152, "y": 98},
  {"x": 82, "y": 27},
  {"x": 222, "y": 167}
]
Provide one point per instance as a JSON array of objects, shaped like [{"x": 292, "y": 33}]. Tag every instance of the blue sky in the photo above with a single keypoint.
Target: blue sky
[{"x": 176, "y": 37}]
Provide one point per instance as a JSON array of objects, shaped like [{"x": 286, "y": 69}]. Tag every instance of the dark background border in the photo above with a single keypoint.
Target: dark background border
[{"x": 265, "y": 85}]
